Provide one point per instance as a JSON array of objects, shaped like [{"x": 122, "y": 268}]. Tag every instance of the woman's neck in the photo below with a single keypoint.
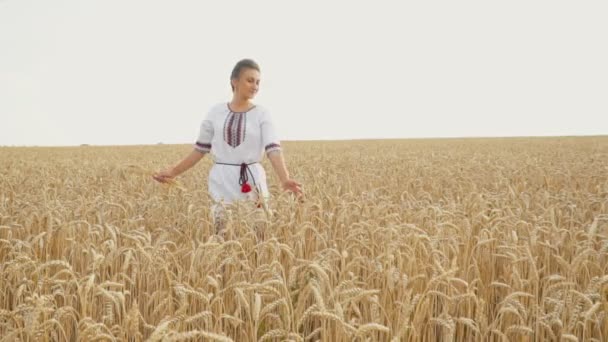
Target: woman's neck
[{"x": 239, "y": 103}]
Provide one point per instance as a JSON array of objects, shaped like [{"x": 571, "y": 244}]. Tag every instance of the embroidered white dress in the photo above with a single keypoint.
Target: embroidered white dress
[{"x": 235, "y": 138}]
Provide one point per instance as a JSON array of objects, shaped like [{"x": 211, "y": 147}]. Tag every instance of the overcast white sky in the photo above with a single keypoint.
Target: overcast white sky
[{"x": 146, "y": 71}]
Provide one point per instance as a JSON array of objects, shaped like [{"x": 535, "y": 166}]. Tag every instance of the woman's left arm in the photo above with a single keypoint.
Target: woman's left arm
[{"x": 278, "y": 164}]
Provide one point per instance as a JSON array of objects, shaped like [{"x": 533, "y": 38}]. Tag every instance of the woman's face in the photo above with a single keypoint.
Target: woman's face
[{"x": 248, "y": 83}]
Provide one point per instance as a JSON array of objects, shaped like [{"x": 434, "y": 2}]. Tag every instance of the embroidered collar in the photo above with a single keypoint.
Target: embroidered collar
[{"x": 232, "y": 111}]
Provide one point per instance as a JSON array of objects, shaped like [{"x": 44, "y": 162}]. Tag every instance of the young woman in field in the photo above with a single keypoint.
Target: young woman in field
[{"x": 237, "y": 134}]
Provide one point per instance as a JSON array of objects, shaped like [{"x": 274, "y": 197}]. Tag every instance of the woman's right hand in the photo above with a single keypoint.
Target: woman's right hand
[{"x": 164, "y": 176}]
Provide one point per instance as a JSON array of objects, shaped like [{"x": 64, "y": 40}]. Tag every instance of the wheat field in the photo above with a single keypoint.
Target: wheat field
[{"x": 397, "y": 240}]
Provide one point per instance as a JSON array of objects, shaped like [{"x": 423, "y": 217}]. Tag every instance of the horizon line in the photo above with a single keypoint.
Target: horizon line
[{"x": 342, "y": 139}]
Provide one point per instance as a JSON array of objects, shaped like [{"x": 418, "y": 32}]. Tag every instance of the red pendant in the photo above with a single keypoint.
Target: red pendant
[{"x": 246, "y": 188}]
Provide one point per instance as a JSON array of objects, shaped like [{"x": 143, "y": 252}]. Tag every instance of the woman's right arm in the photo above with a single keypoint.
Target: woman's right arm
[
  {"x": 189, "y": 161},
  {"x": 201, "y": 147}
]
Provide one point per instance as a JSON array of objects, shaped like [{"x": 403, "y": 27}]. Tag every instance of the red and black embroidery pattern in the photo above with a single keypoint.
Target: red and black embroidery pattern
[
  {"x": 234, "y": 128},
  {"x": 202, "y": 147},
  {"x": 272, "y": 147}
]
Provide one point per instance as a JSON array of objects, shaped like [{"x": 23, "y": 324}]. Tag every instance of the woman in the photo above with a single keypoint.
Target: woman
[{"x": 237, "y": 134}]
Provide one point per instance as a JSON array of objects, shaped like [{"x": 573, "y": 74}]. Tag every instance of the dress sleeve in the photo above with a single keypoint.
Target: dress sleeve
[
  {"x": 205, "y": 135},
  {"x": 270, "y": 140}
]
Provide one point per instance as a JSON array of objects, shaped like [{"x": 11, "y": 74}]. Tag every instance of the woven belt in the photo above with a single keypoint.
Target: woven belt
[{"x": 245, "y": 172}]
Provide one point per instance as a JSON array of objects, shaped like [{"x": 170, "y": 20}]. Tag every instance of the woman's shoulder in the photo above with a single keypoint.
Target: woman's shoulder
[
  {"x": 262, "y": 110},
  {"x": 219, "y": 107},
  {"x": 216, "y": 110}
]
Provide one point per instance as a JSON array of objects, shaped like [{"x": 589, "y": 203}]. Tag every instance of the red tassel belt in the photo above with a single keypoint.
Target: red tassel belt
[{"x": 245, "y": 172}]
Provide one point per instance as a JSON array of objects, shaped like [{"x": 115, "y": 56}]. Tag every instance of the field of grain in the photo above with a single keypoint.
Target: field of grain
[{"x": 411, "y": 240}]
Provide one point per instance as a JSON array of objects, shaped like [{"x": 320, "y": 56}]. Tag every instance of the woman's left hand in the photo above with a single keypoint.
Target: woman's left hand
[{"x": 293, "y": 186}]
